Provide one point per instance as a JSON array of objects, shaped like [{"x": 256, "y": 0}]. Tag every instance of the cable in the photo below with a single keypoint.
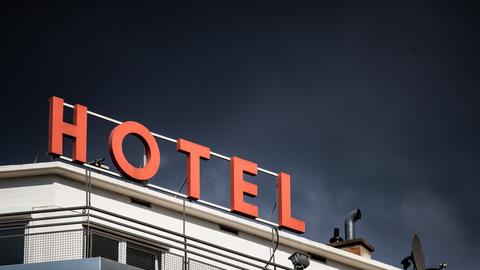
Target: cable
[
  {"x": 271, "y": 212},
  {"x": 274, "y": 249},
  {"x": 274, "y": 229},
  {"x": 40, "y": 151},
  {"x": 181, "y": 185}
]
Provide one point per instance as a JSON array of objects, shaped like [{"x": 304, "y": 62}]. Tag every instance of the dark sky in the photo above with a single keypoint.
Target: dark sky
[{"x": 369, "y": 105}]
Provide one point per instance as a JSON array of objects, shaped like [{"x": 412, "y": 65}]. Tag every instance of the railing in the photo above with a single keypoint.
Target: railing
[{"x": 82, "y": 232}]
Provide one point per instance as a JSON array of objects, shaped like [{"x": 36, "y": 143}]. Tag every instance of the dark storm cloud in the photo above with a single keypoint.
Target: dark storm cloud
[{"x": 365, "y": 105}]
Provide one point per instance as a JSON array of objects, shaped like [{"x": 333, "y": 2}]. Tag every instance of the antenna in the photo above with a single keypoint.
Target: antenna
[{"x": 417, "y": 258}]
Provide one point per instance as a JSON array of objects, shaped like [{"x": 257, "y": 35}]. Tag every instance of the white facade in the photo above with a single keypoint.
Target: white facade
[{"x": 57, "y": 185}]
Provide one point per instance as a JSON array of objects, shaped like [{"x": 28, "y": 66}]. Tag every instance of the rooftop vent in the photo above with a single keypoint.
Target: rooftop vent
[
  {"x": 350, "y": 220},
  {"x": 351, "y": 243}
]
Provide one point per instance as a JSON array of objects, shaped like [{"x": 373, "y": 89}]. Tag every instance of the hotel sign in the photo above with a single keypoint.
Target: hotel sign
[{"x": 239, "y": 187}]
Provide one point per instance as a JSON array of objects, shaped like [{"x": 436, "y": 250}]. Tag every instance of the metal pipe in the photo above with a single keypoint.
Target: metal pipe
[
  {"x": 194, "y": 246},
  {"x": 202, "y": 246},
  {"x": 350, "y": 220},
  {"x": 179, "y": 241},
  {"x": 37, "y": 211},
  {"x": 163, "y": 137},
  {"x": 36, "y": 219}
]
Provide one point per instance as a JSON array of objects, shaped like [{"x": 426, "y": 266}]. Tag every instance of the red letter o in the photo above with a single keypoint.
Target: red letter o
[{"x": 115, "y": 142}]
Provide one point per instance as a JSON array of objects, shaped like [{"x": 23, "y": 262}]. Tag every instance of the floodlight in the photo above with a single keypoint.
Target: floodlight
[{"x": 299, "y": 260}]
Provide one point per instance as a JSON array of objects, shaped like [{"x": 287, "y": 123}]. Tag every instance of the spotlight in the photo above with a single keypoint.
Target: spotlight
[{"x": 299, "y": 260}]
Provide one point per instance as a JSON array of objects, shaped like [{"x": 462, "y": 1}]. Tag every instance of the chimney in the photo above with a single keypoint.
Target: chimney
[{"x": 352, "y": 243}]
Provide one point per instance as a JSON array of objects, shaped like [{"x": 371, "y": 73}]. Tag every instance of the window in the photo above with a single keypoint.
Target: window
[
  {"x": 141, "y": 257},
  {"x": 104, "y": 247},
  {"x": 12, "y": 243},
  {"x": 124, "y": 251}
]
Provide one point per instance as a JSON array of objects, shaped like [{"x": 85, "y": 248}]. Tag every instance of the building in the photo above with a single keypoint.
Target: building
[{"x": 57, "y": 211}]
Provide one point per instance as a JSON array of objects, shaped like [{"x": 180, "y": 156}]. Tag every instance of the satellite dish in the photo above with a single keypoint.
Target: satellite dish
[
  {"x": 417, "y": 253},
  {"x": 417, "y": 257}
]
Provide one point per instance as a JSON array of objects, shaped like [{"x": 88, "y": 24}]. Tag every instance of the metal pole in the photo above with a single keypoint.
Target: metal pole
[
  {"x": 85, "y": 237},
  {"x": 186, "y": 266},
  {"x": 88, "y": 197},
  {"x": 172, "y": 140}
]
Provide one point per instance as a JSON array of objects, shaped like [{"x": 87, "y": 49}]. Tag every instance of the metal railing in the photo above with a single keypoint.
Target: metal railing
[{"x": 80, "y": 232}]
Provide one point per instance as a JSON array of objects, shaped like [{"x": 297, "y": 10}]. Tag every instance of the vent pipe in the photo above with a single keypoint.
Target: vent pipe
[
  {"x": 350, "y": 220},
  {"x": 336, "y": 236}
]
